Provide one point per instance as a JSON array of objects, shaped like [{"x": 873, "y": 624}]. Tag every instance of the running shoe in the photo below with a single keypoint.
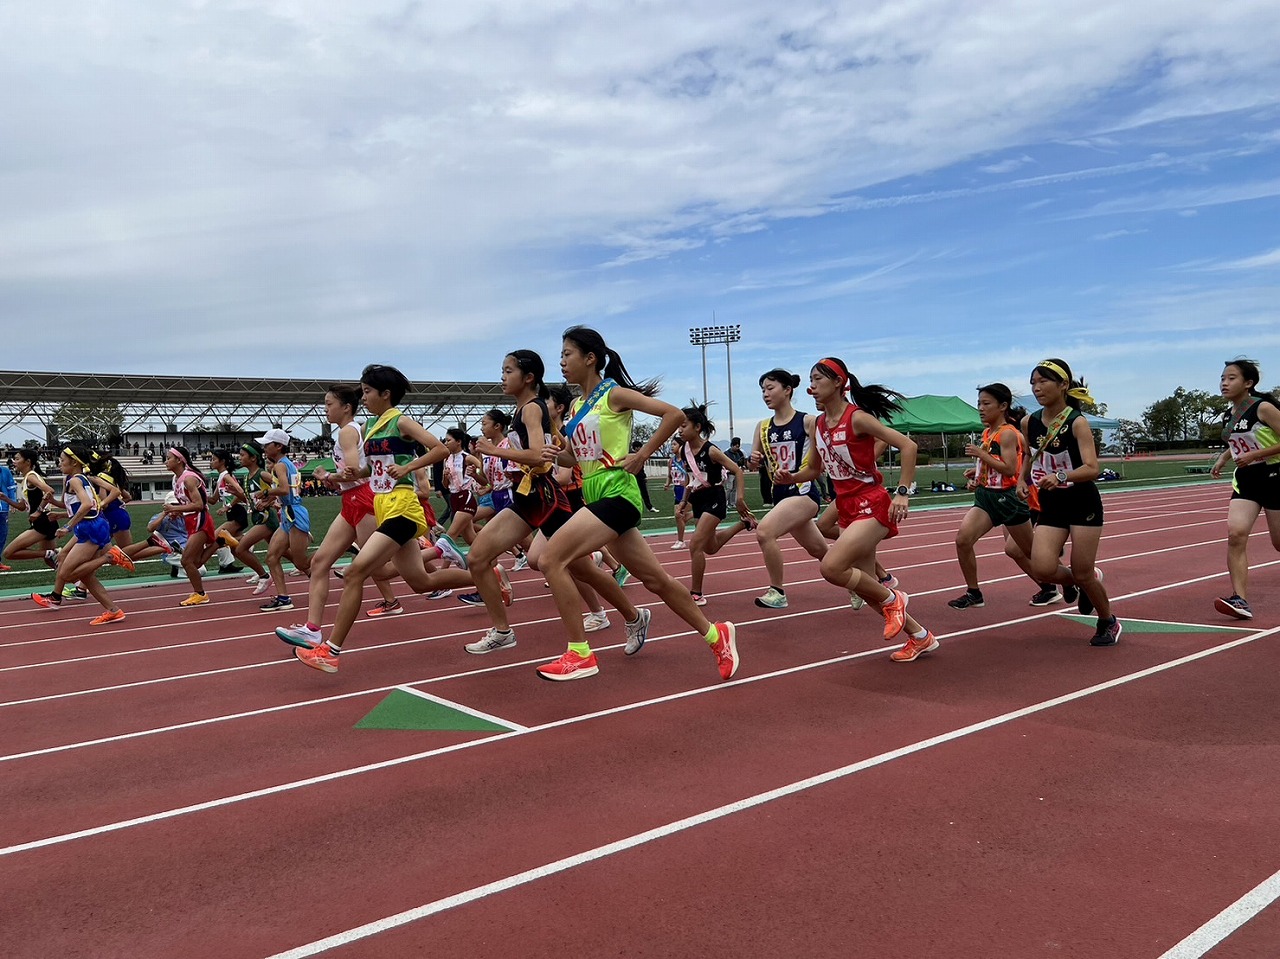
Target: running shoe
[
  {"x": 914, "y": 648},
  {"x": 229, "y": 540},
  {"x": 471, "y": 599},
  {"x": 264, "y": 584},
  {"x": 1108, "y": 634},
  {"x": 385, "y": 608},
  {"x": 117, "y": 557},
  {"x": 438, "y": 594},
  {"x": 277, "y": 604},
  {"x": 51, "y": 558},
  {"x": 895, "y": 612},
  {"x": 195, "y": 599},
  {"x": 173, "y": 571},
  {"x": 637, "y": 632},
  {"x": 1233, "y": 605},
  {"x": 47, "y": 600},
  {"x": 173, "y": 560},
  {"x": 772, "y": 599},
  {"x": 320, "y": 657},
  {"x": 78, "y": 593},
  {"x": 970, "y": 600},
  {"x": 504, "y": 583},
  {"x": 856, "y": 601},
  {"x": 621, "y": 576},
  {"x": 228, "y": 570},
  {"x": 338, "y": 573},
  {"x": 653, "y": 509},
  {"x": 570, "y": 666},
  {"x": 491, "y": 641},
  {"x": 110, "y": 616},
  {"x": 298, "y": 635},
  {"x": 1070, "y": 594},
  {"x": 299, "y": 572},
  {"x": 594, "y": 622},
  {"x": 252, "y": 579},
  {"x": 160, "y": 543},
  {"x": 889, "y": 582},
  {"x": 1084, "y": 603},
  {"x": 522, "y": 563},
  {"x": 1046, "y": 597},
  {"x": 450, "y": 554},
  {"x": 726, "y": 650},
  {"x": 699, "y": 599},
  {"x": 597, "y": 557},
  {"x": 679, "y": 544},
  {"x": 5, "y": 568}
]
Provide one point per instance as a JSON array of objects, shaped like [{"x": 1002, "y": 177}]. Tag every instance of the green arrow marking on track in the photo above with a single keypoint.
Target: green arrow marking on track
[
  {"x": 1156, "y": 626},
  {"x": 402, "y": 710}
]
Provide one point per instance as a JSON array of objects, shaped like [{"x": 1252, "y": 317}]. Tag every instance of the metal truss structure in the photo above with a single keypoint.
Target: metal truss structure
[{"x": 194, "y": 403}]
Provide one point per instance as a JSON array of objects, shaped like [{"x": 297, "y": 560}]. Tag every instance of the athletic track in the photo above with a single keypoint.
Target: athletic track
[{"x": 178, "y": 786}]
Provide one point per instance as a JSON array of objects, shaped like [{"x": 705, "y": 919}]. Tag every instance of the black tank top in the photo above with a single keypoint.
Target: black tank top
[
  {"x": 1063, "y": 451},
  {"x": 714, "y": 471},
  {"x": 519, "y": 434}
]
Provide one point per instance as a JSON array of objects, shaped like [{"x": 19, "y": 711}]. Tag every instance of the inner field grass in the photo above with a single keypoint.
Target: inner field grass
[{"x": 1140, "y": 472}]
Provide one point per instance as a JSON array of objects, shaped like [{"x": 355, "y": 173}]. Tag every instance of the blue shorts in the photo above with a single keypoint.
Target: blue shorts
[
  {"x": 295, "y": 517},
  {"x": 118, "y": 519},
  {"x": 501, "y": 499},
  {"x": 679, "y": 491},
  {"x": 4, "y": 528},
  {"x": 487, "y": 500},
  {"x": 95, "y": 531}
]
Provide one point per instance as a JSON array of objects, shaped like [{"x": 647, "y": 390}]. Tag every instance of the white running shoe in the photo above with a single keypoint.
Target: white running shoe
[
  {"x": 450, "y": 553},
  {"x": 772, "y": 599},
  {"x": 522, "y": 563},
  {"x": 637, "y": 632},
  {"x": 263, "y": 585},
  {"x": 856, "y": 601},
  {"x": 252, "y": 579},
  {"x": 438, "y": 594},
  {"x": 490, "y": 641},
  {"x": 679, "y": 544},
  {"x": 298, "y": 635},
  {"x": 594, "y": 622}
]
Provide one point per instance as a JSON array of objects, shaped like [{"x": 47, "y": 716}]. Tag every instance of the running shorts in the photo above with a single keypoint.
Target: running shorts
[
  {"x": 45, "y": 525},
  {"x": 545, "y": 507},
  {"x": 236, "y": 513},
  {"x": 118, "y": 520},
  {"x": 1259, "y": 483},
  {"x": 486, "y": 501},
  {"x": 501, "y": 499},
  {"x": 402, "y": 503},
  {"x": 1002, "y": 505},
  {"x": 463, "y": 502},
  {"x": 357, "y": 503},
  {"x": 295, "y": 517},
  {"x": 709, "y": 499},
  {"x": 866, "y": 502},
  {"x": 200, "y": 522},
  {"x": 1079, "y": 504},
  {"x": 613, "y": 497},
  {"x": 96, "y": 531}
]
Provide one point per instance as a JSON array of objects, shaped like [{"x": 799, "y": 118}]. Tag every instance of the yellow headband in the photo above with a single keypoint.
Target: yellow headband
[
  {"x": 67, "y": 452},
  {"x": 1082, "y": 394},
  {"x": 1055, "y": 368}
]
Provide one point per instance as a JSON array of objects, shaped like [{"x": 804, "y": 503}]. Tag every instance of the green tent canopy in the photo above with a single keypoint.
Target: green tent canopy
[
  {"x": 310, "y": 466},
  {"x": 936, "y": 414}
]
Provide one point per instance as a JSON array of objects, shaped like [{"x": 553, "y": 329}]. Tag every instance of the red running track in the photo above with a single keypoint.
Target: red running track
[{"x": 178, "y": 786}]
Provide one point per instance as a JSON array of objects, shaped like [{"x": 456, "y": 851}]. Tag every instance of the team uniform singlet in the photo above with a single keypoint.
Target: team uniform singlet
[
  {"x": 600, "y": 442},
  {"x": 93, "y": 527},
  {"x": 393, "y": 498},
  {"x": 705, "y": 490},
  {"x": 850, "y": 460},
  {"x": 1258, "y": 482},
  {"x": 995, "y": 494},
  {"x": 1068, "y": 504},
  {"x": 785, "y": 444},
  {"x": 537, "y": 498},
  {"x": 357, "y": 496},
  {"x": 199, "y": 520}
]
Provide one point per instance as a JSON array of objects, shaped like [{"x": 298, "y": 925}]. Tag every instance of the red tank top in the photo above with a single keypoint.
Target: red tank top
[{"x": 849, "y": 459}]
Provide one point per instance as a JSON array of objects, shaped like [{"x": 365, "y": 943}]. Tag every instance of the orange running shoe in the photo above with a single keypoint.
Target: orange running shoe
[
  {"x": 110, "y": 616},
  {"x": 504, "y": 583},
  {"x": 195, "y": 599},
  {"x": 915, "y": 648},
  {"x": 47, "y": 600},
  {"x": 320, "y": 657},
  {"x": 726, "y": 649},
  {"x": 570, "y": 666},
  {"x": 117, "y": 557},
  {"x": 895, "y": 613}
]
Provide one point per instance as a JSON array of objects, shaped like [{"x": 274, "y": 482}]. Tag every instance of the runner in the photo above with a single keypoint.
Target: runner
[
  {"x": 263, "y": 521},
  {"x": 705, "y": 496},
  {"x": 677, "y": 482},
  {"x": 193, "y": 506},
  {"x": 390, "y": 444},
  {"x": 231, "y": 495},
  {"x": 8, "y": 500},
  {"x": 599, "y": 439},
  {"x": 294, "y": 535},
  {"x": 845, "y": 438},
  {"x": 111, "y": 482},
  {"x": 994, "y": 480},
  {"x": 92, "y": 538},
  {"x": 35, "y": 496},
  {"x": 1252, "y": 433},
  {"x": 1063, "y": 464},
  {"x": 460, "y": 471},
  {"x": 539, "y": 505},
  {"x": 779, "y": 444}
]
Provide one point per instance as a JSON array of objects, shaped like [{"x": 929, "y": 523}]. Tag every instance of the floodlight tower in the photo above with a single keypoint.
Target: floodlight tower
[{"x": 701, "y": 336}]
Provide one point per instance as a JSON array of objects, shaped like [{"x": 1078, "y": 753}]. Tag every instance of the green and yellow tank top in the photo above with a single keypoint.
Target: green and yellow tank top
[
  {"x": 383, "y": 446},
  {"x": 602, "y": 438}
]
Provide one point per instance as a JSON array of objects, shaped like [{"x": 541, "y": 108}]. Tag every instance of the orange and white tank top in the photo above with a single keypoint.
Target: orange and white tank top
[{"x": 993, "y": 479}]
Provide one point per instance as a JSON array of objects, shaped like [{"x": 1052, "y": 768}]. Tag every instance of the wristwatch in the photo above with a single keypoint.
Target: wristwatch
[
  {"x": 1061, "y": 476},
  {"x": 902, "y": 491}
]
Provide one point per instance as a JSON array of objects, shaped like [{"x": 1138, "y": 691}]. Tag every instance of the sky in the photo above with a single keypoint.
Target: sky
[{"x": 940, "y": 193}]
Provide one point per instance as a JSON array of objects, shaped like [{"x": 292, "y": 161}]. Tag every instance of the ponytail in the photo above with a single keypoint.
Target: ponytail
[
  {"x": 696, "y": 413},
  {"x": 608, "y": 363},
  {"x": 1058, "y": 371},
  {"x": 880, "y": 401}
]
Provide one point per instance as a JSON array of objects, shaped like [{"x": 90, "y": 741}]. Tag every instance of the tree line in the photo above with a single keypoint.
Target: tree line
[{"x": 1186, "y": 417}]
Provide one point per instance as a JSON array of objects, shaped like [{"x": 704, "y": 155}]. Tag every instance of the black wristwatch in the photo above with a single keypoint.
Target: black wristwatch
[{"x": 902, "y": 491}]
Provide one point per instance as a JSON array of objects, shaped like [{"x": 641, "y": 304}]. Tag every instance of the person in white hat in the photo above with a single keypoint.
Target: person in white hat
[{"x": 294, "y": 535}]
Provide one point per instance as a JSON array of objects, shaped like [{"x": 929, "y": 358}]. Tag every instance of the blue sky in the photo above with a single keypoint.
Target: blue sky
[{"x": 940, "y": 193}]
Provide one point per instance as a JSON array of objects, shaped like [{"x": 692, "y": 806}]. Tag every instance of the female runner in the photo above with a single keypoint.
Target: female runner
[
  {"x": 994, "y": 481},
  {"x": 705, "y": 465},
  {"x": 599, "y": 439},
  {"x": 460, "y": 469},
  {"x": 539, "y": 505},
  {"x": 294, "y": 535},
  {"x": 390, "y": 444},
  {"x": 112, "y": 483},
  {"x": 263, "y": 521},
  {"x": 1253, "y": 440},
  {"x": 92, "y": 537},
  {"x": 38, "y": 541},
  {"x": 193, "y": 507},
  {"x": 1063, "y": 464},
  {"x": 235, "y": 507},
  {"x": 779, "y": 445},
  {"x": 845, "y": 438},
  {"x": 678, "y": 483}
]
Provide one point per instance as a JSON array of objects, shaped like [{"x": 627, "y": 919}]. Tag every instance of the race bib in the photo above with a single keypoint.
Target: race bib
[
  {"x": 380, "y": 481},
  {"x": 586, "y": 443},
  {"x": 784, "y": 455},
  {"x": 1241, "y": 443},
  {"x": 1047, "y": 463}
]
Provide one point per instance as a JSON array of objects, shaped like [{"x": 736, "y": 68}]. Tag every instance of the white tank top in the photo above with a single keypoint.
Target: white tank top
[{"x": 340, "y": 461}]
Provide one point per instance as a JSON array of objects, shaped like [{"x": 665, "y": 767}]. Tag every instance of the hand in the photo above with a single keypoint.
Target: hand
[
  {"x": 1022, "y": 490},
  {"x": 1248, "y": 457},
  {"x": 1049, "y": 481},
  {"x": 755, "y": 459},
  {"x": 483, "y": 445},
  {"x": 550, "y": 454},
  {"x": 971, "y": 485},
  {"x": 898, "y": 507},
  {"x": 22, "y": 506},
  {"x": 632, "y": 463},
  {"x": 398, "y": 471},
  {"x": 783, "y": 477},
  {"x": 970, "y": 474},
  {"x": 973, "y": 449}
]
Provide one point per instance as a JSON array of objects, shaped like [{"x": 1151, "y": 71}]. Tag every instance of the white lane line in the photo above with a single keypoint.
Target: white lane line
[
  {"x": 450, "y": 704},
  {"x": 1228, "y": 921},
  {"x": 742, "y": 805}
]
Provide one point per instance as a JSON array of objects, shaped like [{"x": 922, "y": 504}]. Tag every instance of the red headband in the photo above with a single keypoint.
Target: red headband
[{"x": 834, "y": 367}]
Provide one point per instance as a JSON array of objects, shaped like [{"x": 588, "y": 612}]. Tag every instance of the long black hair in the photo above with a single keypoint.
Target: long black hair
[
  {"x": 386, "y": 379},
  {"x": 696, "y": 413},
  {"x": 561, "y": 394},
  {"x": 1002, "y": 394},
  {"x": 530, "y": 363},
  {"x": 103, "y": 463},
  {"x": 879, "y": 401},
  {"x": 461, "y": 435},
  {"x": 1249, "y": 370},
  {"x": 608, "y": 363},
  {"x": 347, "y": 395}
]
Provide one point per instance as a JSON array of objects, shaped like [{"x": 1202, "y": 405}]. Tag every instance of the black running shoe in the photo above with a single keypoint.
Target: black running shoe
[
  {"x": 970, "y": 600},
  {"x": 1070, "y": 594},
  {"x": 471, "y": 599},
  {"x": 1046, "y": 597},
  {"x": 1108, "y": 634}
]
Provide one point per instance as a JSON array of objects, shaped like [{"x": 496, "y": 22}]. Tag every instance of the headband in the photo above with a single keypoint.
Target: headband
[
  {"x": 251, "y": 450},
  {"x": 834, "y": 367},
  {"x": 174, "y": 451},
  {"x": 67, "y": 451},
  {"x": 1080, "y": 392}
]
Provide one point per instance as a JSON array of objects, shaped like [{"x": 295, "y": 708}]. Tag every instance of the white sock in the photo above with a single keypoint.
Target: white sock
[{"x": 224, "y": 556}]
